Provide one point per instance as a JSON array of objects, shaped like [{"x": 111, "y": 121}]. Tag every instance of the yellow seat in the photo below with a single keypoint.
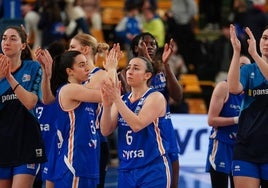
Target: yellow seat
[
  {"x": 196, "y": 105},
  {"x": 112, "y": 3},
  {"x": 163, "y": 7},
  {"x": 112, "y": 15},
  {"x": 190, "y": 83}
]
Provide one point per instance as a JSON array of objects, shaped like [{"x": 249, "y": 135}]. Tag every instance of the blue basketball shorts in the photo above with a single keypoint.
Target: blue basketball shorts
[
  {"x": 249, "y": 169},
  {"x": 9, "y": 172}
]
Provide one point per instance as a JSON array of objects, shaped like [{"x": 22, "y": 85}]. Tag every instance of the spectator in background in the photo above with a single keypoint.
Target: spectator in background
[
  {"x": 76, "y": 17},
  {"x": 178, "y": 67},
  {"x": 51, "y": 23},
  {"x": 176, "y": 62},
  {"x": 239, "y": 8},
  {"x": 152, "y": 23},
  {"x": 31, "y": 17},
  {"x": 129, "y": 26},
  {"x": 180, "y": 27},
  {"x": 93, "y": 14},
  {"x": 212, "y": 11}
]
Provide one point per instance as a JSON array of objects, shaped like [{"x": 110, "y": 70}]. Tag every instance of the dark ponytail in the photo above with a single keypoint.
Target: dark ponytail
[{"x": 61, "y": 63}]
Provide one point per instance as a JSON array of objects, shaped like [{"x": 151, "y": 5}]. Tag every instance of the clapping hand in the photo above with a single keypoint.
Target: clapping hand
[
  {"x": 168, "y": 50},
  {"x": 46, "y": 61},
  {"x": 110, "y": 91},
  {"x": 234, "y": 40},
  {"x": 5, "y": 70},
  {"x": 251, "y": 42},
  {"x": 113, "y": 58}
]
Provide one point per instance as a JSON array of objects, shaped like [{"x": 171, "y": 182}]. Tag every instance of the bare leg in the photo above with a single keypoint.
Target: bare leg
[
  {"x": 246, "y": 182},
  {"x": 5, "y": 183},
  {"x": 49, "y": 184},
  {"x": 23, "y": 181}
]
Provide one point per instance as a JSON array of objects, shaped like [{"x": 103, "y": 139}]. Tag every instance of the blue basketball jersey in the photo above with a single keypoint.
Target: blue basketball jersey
[
  {"x": 253, "y": 121},
  {"x": 159, "y": 83},
  {"x": 231, "y": 108},
  {"x": 78, "y": 144},
  {"x": 97, "y": 106},
  {"x": 138, "y": 149},
  {"x": 20, "y": 137},
  {"x": 222, "y": 139},
  {"x": 47, "y": 116}
]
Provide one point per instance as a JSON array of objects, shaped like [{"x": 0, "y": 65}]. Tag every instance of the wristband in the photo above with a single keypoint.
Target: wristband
[
  {"x": 15, "y": 87},
  {"x": 236, "y": 119}
]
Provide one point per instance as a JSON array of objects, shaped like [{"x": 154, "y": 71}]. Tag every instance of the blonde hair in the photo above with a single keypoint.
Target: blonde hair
[{"x": 89, "y": 40}]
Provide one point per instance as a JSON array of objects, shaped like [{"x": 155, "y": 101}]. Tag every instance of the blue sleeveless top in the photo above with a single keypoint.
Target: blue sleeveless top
[
  {"x": 159, "y": 83},
  {"x": 138, "y": 149},
  {"x": 77, "y": 141},
  {"x": 231, "y": 108}
]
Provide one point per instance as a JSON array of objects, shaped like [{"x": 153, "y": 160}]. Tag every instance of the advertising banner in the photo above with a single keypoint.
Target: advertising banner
[{"x": 192, "y": 132}]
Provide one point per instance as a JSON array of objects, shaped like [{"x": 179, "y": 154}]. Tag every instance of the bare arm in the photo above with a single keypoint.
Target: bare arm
[
  {"x": 175, "y": 174},
  {"x": 72, "y": 94},
  {"x": 97, "y": 79},
  {"x": 108, "y": 121},
  {"x": 46, "y": 62},
  {"x": 27, "y": 98},
  {"x": 174, "y": 88},
  {"x": 233, "y": 78},
  {"x": 218, "y": 98},
  {"x": 146, "y": 114}
]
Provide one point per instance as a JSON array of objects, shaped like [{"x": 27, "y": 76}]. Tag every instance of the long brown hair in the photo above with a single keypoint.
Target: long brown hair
[{"x": 26, "y": 53}]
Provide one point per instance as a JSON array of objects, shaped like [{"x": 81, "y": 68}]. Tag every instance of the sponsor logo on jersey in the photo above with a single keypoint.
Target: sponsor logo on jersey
[
  {"x": 26, "y": 78},
  {"x": 133, "y": 154},
  {"x": 8, "y": 97}
]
